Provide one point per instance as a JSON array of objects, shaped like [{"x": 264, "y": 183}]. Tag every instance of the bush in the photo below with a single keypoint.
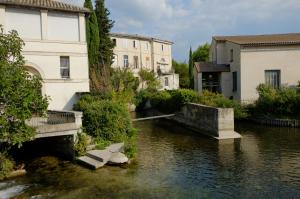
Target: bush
[
  {"x": 220, "y": 101},
  {"x": 107, "y": 121},
  {"x": 81, "y": 144},
  {"x": 162, "y": 101},
  {"x": 183, "y": 96},
  {"x": 283, "y": 102},
  {"x": 6, "y": 166}
]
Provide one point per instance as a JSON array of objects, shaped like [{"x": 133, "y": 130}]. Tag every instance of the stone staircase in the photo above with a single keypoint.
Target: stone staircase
[{"x": 96, "y": 159}]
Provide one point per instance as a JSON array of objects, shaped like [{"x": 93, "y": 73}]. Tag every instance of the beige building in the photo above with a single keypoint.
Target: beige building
[
  {"x": 55, "y": 46},
  {"x": 238, "y": 64},
  {"x": 139, "y": 52}
]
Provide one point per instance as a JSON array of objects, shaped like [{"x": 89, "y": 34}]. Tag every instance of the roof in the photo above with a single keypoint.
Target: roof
[
  {"x": 262, "y": 40},
  {"x": 211, "y": 67},
  {"x": 140, "y": 37},
  {"x": 45, "y": 4}
]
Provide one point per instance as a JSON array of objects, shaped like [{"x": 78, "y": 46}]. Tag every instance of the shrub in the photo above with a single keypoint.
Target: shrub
[
  {"x": 6, "y": 166},
  {"x": 162, "y": 101},
  {"x": 278, "y": 102},
  {"x": 107, "y": 121},
  {"x": 81, "y": 144},
  {"x": 183, "y": 96}
]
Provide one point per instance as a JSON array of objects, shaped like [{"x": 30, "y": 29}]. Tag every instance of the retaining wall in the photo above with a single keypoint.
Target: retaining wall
[{"x": 215, "y": 122}]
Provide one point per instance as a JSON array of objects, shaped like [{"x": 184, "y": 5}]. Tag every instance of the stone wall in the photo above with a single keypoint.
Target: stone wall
[{"x": 215, "y": 122}]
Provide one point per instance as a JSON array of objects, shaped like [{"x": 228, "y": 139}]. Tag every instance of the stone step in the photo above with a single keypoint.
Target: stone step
[
  {"x": 90, "y": 162},
  {"x": 100, "y": 155},
  {"x": 114, "y": 148},
  {"x": 118, "y": 158},
  {"x": 91, "y": 147}
]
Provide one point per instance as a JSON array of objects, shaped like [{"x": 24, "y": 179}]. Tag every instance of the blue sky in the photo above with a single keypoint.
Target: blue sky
[{"x": 193, "y": 22}]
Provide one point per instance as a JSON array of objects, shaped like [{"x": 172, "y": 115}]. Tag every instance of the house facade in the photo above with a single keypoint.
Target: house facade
[
  {"x": 238, "y": 64},
  {"x": 138, "y": 52},
  {"x": 55, "y": 46}
]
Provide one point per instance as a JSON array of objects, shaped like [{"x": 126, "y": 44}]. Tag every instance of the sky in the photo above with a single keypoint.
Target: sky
[{"x": 194, "y": 22}]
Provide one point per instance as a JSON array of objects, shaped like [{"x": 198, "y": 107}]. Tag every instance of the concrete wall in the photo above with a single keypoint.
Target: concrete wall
[
  {"x": 215, "y": 122},
  {"x": 48, "y": 35},
  {"x": 254, "y": 62}
]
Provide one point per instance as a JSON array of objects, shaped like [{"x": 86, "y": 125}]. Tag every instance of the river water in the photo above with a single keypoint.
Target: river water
[{"x": 173, "y": 162}]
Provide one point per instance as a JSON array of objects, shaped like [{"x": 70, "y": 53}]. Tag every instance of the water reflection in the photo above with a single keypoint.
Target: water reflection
[{"x": 173, "y": 162}]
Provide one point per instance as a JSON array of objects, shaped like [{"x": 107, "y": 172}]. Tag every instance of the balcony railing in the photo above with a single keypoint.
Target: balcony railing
[{"x": 57, "y": 121}]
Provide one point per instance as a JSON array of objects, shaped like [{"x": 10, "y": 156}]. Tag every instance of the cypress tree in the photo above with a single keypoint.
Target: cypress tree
[
  {"x": 105, "y": 25},
  {"x": 191, "y": 68},
  {"x": 92, "y": 34}
]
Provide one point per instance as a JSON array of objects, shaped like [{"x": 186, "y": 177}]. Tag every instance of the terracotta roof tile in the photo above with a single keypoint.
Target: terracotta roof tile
[
  {"x": 45, "y": 4},
  {"x": 262, "y": 40}
]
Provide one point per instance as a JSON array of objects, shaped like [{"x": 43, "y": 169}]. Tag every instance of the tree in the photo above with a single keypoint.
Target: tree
[
  {"x": 183, "y": 70},
  {"x": 20, "y": 96},
  {"x": 191, "y": 69},
  {"x": 202, "y": 53},
  {"x": 92, "y": 34},
  {"x": 149, "y": 79},
  {"x": 105, "y": 25}
]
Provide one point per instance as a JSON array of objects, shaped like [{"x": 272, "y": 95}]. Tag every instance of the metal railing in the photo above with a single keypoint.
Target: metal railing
[{"x": 53, "y": 118}]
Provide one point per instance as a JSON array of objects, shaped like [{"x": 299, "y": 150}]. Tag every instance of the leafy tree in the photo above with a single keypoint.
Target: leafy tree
[
  {"x": 105, "y": 25},
  {"x": 191, "y": 69},
  {"x": 183, "y": 70},
  {"x": 149, "y": 79},
  {"x": 92, "y": 34},
  {"x": 202, "y": 53},
  {"x": 20, "y": 96},
  {"x": 123, "y": 80}
]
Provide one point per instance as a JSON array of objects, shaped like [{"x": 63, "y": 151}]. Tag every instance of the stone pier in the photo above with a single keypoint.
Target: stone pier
[{"x": 214, "y": 122}]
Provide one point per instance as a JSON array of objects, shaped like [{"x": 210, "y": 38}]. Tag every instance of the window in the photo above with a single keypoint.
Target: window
[
  {"x": 147, "y": 62},
  {"x": 126, "y": 62},
  {"x": 114, "y": 42},
  {"x": 162, "y": 47},
  {"x": 166, "y": 81},
  {"x": 115, "y": 60},
  {"x": 136, "y": 62},
  {"x": 231, "y": 55},
  {"x": 65, "y": 67},
  {"x": 234, "y": 81},
  {"x": 147, "y": 46},
  {"x": 272, "y": 78},
  {"x": 134, "y": 44}
]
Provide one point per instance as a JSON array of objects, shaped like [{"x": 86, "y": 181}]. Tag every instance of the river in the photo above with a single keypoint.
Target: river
[{"x": 173, "y": 162}]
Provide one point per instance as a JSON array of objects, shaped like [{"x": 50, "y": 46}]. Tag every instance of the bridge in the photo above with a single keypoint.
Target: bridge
[
  {"x": 57, "y": 123},
  {"x": 153, "y": 117}
]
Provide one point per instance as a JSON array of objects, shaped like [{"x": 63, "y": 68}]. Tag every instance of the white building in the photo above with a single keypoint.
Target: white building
[
  {"x": 139, "y": 52},
  {"x": 238, "y": 64},
  {"x": 55, "y": 45}
]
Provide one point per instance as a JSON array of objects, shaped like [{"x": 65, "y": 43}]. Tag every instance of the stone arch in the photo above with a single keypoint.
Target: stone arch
[{"x": 34, "y": 69}]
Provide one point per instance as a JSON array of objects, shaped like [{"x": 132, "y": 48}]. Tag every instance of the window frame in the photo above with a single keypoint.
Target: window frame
[
  {"x": 62, "y": 68},
  {"x": 135, "y": 62},
  {"x": 271, "y": 78},
  {"x": 234, "y": 81},
  {"x": 125, "y": 61}
]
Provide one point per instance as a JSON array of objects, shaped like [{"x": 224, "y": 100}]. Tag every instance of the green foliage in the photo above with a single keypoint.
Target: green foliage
[
  {"x": 149, "y": 80},
  {"x": 278, "y": 102},
  {"x": 6, "y": 166},
  {"x": 92, "y": 34},
  {"x": 202, "y": 53},
  {"x": 172, "y": 101},
  {"x": 191, "y": 69},
  {"x": 106, "y": 120},
  {"x": 20, "y": 96},
  {"x": 183, "y": 70},
  {"x": 218, "y": 100},
  {"x": 105, "y": 25},
  {"x": 124, "y": 84},
  {"x": 81, "y": 144}
]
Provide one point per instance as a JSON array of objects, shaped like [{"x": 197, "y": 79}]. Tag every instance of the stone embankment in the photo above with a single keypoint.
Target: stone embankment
[{"x": 112, "y": 155}]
